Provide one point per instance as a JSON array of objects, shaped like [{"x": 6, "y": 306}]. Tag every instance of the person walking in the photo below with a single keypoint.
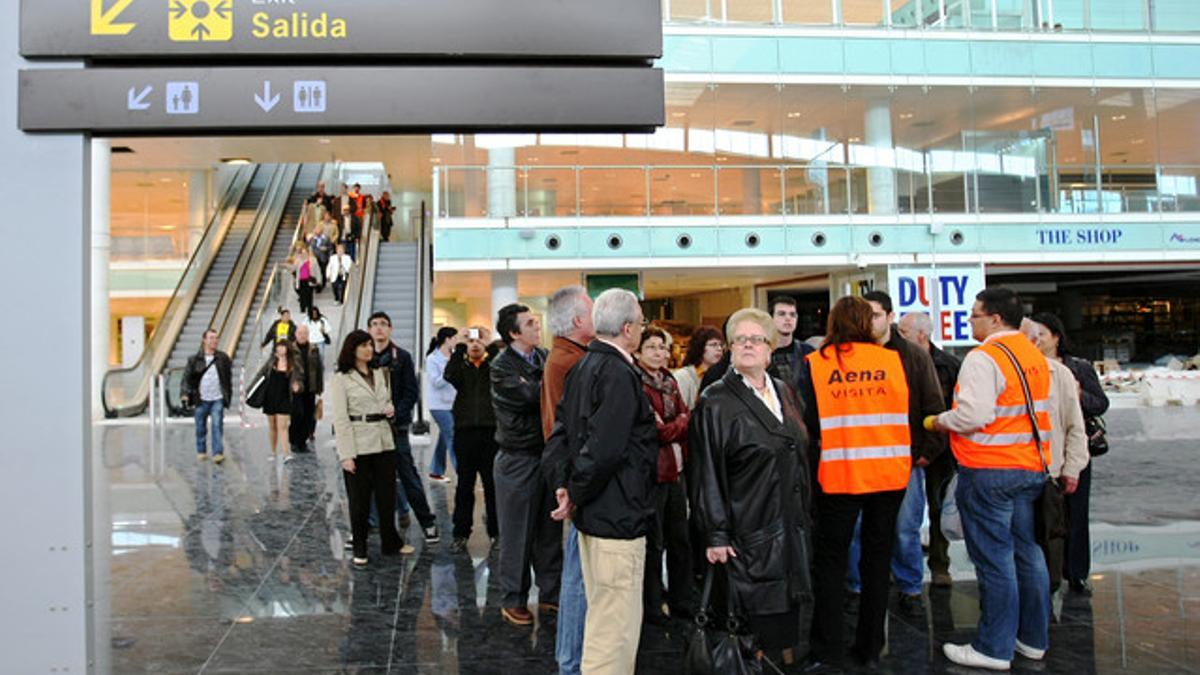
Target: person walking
[
  {"x": 398, "y": 363},
  {"x": 439, "y": 397},
  {"x": 570, "y": 314},
  {"x": 857, "y": 405},
  {"x": 303, "y": 422},
  {"x": 308, "y": 274},
  {"x": 705, "y": 349},
  {"x": 608, "y": 427},
  {"x": 319, "y": 331},
  {"x": 1002, "y": 459},
  {"x": 337, "y": 272},
  {"x": 917, "y": 328},
  {"x": 282, "y": 329},
  {"x": 386, "y": 215},
  {"x": 1085, "y": 393},
  {"x": 668, "y": 532},
  {"x": 469, "y": 372},
  {"x": 208, "y": 385},
  {"x": 360, "y": 402},
  {"x": 750, "y": 486},
  {"x": 321, "y": 246},
  {"x": 528, "y": 536},
  {"x": 350, "y": 228},
  {"x": 283, "y": 377}
]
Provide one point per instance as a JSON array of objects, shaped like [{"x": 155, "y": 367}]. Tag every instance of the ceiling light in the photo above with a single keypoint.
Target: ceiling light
[
  {"x": 906, "y": 116},
  {"x": 678, "y": 113},
  {"x": 235, "y": 160},
  {"x": 695, "y": 174},
  {"x": 854, "y": 139},
  {"x": 1118, "y": 118},
  {"x": 793, "y": 115},
  {"x": 721, "y": 159},
  {"x": 1137, "y": 141},
  {"x": 164, "y": 179},
  {"x": 435, "y": 160},
  {"x": 324, "y": 141}
]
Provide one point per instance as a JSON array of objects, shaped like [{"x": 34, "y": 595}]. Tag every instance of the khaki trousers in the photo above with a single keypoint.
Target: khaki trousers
[{"x": 613, "y": 572}]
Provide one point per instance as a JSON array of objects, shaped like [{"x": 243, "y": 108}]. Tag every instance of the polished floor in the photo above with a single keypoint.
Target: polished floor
[{"x": 240, "y": 568}]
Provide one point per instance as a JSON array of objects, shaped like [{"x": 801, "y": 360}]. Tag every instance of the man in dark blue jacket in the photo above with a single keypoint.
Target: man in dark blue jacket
[{"x": 403, "y": 378}]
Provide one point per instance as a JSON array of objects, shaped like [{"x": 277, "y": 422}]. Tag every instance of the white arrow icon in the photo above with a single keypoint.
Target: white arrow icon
[
  {"x": 138, "y": 101},
  {"x": 266, "y": 101}
]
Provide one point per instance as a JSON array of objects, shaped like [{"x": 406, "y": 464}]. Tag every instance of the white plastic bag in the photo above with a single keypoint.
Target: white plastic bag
[{"x": 951, "y": 519}]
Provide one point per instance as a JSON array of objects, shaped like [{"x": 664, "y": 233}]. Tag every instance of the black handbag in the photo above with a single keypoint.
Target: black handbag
[
  {"x": 256, "y": 395},
  {"x": 713, "y": 651},
  {"x": 1097, "y": 435},
  {"x": 1050, "y": 510}
]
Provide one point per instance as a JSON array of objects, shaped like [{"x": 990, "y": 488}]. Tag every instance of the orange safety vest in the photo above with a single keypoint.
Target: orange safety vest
[
  {"x": 1007, "y": 441},
  {"x": 862, "y": 400}
]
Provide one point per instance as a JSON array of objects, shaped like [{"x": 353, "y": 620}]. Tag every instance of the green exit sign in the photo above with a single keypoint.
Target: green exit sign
[{"x": 598, "y": 283}]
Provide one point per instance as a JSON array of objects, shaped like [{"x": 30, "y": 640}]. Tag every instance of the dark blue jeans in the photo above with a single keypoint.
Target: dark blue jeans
[
  {"x": 216, "y": 410},
  {"x": 1014, "y": 584}
]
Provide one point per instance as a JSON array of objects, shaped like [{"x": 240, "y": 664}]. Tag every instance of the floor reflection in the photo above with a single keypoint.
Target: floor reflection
[{"x": 242, "y": 568}]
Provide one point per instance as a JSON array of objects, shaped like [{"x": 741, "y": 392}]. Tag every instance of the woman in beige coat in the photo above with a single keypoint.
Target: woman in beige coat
[{"x": 360, "y": 401}]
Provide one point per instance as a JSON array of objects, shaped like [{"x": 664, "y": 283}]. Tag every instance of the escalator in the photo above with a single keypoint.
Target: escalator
[{"x": 285, "y": 238}]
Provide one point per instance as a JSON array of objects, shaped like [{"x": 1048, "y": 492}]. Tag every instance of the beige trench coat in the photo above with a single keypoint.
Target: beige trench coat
[{"x": 349, "y": 394}]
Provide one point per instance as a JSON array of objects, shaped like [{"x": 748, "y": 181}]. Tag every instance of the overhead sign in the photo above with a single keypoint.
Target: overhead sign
[
  {"x": 227, "y": 29},
  {"x": 945, "y": 294},
  {"x": 308, "y": 99}
]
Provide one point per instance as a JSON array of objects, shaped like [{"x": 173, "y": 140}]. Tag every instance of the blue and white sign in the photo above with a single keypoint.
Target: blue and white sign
[{"x": 946, "y": 294}]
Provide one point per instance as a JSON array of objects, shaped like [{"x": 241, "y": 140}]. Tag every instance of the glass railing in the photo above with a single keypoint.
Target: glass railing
[
  {"x": 124, "y": 391},
  {"x": 360, "y": 287},
  {"x": 817, "y": 189},
  {"x": 1170, "y": 16}
]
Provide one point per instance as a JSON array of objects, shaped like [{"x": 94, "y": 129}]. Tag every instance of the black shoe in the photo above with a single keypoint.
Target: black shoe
[
  {"x": 459, "y": 545},
  {"x": 1082, "y": 587},
  {"x": 912, "y": 605},
  {"x": 852, "y": 601}
]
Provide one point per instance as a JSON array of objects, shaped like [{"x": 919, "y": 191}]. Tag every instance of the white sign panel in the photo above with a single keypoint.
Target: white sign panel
[{"x": 945, "y": 294}]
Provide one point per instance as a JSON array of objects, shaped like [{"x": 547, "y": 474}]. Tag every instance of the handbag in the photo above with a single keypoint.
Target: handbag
[
  {"x": 724, "y": 652},
  {"x": 1097, "y": 435},
  {"x": 320, "y": 410},
  {"x": 951, "y": 519},
  {"x": 1050, "y": 510},
  {"x": 256, "y": 395}
]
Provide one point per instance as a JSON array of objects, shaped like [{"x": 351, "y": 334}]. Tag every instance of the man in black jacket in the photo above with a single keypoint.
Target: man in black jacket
[
  {"x": 789, "y": 353},
  {"x": 208, "y": 384},
  {"x": 917, "y": 327},
  {"x": 469, "y": 371},
  {"x": 403, "y": 380},
  {"x": 303, "y": 420},
  {"x": 523, "y": 501},
  {"x": 924, "y": 398},
  {"x": 607, "y": 425}
]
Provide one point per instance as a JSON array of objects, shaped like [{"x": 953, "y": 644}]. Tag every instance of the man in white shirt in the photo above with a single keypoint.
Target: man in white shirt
[{"x": 338, "y": 272}]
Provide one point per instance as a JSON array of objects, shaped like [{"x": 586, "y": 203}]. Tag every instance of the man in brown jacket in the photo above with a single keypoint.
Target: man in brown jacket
[{"x": 570, "y": 316}]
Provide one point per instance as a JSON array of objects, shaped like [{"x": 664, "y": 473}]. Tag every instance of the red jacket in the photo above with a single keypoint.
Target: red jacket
[{"x": 674, "y": 430}]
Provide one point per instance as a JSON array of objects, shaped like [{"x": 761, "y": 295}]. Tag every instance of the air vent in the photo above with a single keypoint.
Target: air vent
[{"x": 122, "y": 150}]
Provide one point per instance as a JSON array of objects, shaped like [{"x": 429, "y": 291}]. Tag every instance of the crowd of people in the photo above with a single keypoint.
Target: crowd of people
[{"x": 784, "y": 483}]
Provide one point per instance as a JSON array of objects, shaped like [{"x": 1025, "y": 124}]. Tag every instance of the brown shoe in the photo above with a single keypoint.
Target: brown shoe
[
  {"x": 548, "y": 607},
  {"x": 942, "y": 580},
  {"x": 517, "y": 616}
]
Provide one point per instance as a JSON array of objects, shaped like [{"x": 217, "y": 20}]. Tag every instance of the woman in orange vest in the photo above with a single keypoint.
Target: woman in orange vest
[{"x": 856, "y": 405}]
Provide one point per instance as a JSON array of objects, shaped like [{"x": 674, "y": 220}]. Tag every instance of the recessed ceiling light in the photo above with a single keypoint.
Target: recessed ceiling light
[
  {"x": 678, "y": 113},
  {"x": 854, "y": 139},
  {"x": 235, "y": 160},
  {"x": 794, "y": 114},
  {"x": 695, "y": 174},
  {"x": 435, "y": 160},
  {"x": 324, "y": 141},
  {"x": 906, "y": 116},
  {"x": 1118, "y": 118},
  {"x": 721, "y": 159},
  {"x": 164, "y": 179},
  {"x": 1137, "y": 141}
]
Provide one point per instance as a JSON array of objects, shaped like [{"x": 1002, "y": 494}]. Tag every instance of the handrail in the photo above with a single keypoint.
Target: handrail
[
  {"x": 352, "y": 302},
  {"x": 234, "y": 321},
  {"x": 162, "y": 340}
]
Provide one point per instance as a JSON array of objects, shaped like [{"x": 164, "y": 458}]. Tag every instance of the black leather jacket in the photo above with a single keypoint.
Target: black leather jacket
[
  {"x": 750, "y": 488},
  {"x": 517, "y": 400},
  {"x": 195, "y": 371},
  {"x": 473, "y": 402},
  {"x": 606, "y": 425}
]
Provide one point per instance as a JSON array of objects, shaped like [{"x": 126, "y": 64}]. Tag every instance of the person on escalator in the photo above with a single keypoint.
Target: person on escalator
[
  {"x": 282, "y": 330},
  {"x": 322, "y": 247},
  {"x": 351, "y": 230},
  {"x": 338, "y": 273}
]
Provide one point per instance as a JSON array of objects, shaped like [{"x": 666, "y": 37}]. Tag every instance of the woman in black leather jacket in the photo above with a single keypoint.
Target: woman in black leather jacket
[{"x": 750, "y": 486}]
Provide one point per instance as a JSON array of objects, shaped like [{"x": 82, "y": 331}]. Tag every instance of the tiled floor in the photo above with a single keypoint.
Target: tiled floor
[{"x": 240, "y": 568}]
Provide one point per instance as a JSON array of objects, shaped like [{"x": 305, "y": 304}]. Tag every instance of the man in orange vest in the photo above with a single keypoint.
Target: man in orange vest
[
  {"x": 1000, "y": 477},
  {"x": 856, "y": 404}
]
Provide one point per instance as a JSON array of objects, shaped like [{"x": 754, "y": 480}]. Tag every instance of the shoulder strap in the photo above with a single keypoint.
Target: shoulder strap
[{"x": 1037, "y": 436}]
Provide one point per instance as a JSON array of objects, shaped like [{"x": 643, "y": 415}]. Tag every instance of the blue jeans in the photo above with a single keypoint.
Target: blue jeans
[
  {"x": 216, "y": 410},
  {"x": 907, "y": 558},
  {"x": 1014, "y": 584},
  {"x": 445, "y": 441},
  {"x": 572, "y": 609},
  {"x": 853, "y": 578}
]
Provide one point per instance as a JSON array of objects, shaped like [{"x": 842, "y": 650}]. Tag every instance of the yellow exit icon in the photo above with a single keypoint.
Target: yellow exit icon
[{"x": 200, "y": 20}]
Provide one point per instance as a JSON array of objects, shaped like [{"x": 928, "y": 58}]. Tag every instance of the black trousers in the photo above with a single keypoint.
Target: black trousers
[
  {"x": 937, "y": 473},
  {"x": 374, "y": 477},
  {"x": 306, "y": 297},
  {"x": 339, "y": 289},
  {"x": 476, "y": 451},
  {"x": 1077, "y": 564},
  {"x": 669, "y": 532},
  {"x": 303, "y": 419},
  {"x": 836, "y": 514}
]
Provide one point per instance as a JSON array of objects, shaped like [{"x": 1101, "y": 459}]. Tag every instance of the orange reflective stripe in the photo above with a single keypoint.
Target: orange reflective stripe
[
  {"x": 1007, "y": 441},
  {"x": 862, "y": 402}
]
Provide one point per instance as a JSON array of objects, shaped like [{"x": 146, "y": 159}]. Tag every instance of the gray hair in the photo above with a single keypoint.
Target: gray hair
[
  {"x": 613, "y": 309},
  {"x": 920, "y": 322},
  {"x": 566, "y": 304}
]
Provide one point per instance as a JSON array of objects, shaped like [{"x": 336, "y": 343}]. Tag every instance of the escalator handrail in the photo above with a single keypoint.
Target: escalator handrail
[
  {"x": 270, "y": 218},
  {"x": 162, "y": 340},
  {"x": 352, "y": 312}
]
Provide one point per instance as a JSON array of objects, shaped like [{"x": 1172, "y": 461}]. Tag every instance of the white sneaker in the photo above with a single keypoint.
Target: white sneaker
[
  {"x": 965, "y": 655},
  {"x": 1030, "y": 652}
]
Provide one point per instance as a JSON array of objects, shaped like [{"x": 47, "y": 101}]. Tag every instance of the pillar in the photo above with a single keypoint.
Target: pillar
[
  {"x": 504, "y": 292},
  {"x": 881, "y": 181},
  {"x": 101, "y": 210},
  {"x": 502, "y": 183},
  {"x": 198, "y": 207}
]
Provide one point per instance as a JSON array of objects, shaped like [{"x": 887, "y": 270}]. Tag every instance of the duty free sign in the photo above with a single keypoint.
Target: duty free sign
[{"x": 946, "y": 294}]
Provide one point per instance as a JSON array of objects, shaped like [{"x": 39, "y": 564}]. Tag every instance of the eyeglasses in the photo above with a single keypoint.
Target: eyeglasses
[{"x": 756, "y": 340}]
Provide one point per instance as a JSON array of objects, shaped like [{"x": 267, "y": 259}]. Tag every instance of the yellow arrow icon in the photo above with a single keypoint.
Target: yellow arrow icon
[{"x": 103, "y": 21}]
